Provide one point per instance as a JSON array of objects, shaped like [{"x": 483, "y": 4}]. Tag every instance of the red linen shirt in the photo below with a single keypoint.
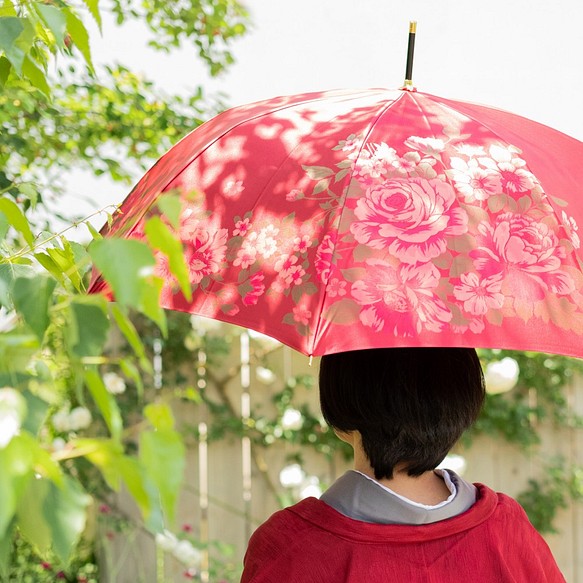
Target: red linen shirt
[{"x": 310, "y": 542}]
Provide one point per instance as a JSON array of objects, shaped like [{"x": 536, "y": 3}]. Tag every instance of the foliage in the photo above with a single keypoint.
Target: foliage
[
  {"x": 59, "y": 400},
  {"x": 211, "y": 24},
  {"x": 543, "y": 498},
  {"x": 28, "y": 568},
  {"x": 69, "y": 433},
  {"x": 33, "y": 33},
  {"x": 538, "y": 396},
  {"x": 114, "y": 126},
  {"x": 106, "y": 120}
]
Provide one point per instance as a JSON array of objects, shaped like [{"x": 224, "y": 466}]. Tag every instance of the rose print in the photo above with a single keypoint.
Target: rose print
[{"x": 410, "y": 218}]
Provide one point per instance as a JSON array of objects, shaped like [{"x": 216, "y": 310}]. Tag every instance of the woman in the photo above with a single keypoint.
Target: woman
[{"x": 395, "y": 517}]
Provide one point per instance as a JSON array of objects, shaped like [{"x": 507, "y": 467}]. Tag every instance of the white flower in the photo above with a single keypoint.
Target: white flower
[
  {"x": 12, "y": 412},
  {"x": 291, "y": 476},
  {"x": 9, "y": 427},
  {"x": 187, "y": 554},
  {"x": 292, "y": 419},
  {"x": 501, "y": 375},
  {"x": 265, "y": 375},
  {"x": 61, "y": 421},
  {"x": 8, "y": 320},
  {"x": 429, "y": 146},
  {"x": 79, "y": 418},
  {"x": 59, "y": 444},
  {"x": 114, "y": 383},
  {"x": 166, "y": 541}
]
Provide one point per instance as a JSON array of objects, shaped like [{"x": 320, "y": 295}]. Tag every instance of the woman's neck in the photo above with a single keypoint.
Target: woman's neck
[{"x": 428, "y": 488}]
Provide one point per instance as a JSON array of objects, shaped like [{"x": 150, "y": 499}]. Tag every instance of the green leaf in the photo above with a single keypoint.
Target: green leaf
[
  {"x": 10, "y": 29},
  {"x": 36, "y": 76},
  {"x": 105, "y": 403},
  {"x": 4, "y": 226},
  {"x": 133, "y": 373},
  {"x": 6, "y": 551},
  {"x": 95, "y": 234},
  {"x": 79, "y": 36},
  {"x": 65, "y": 511},
  {"x": 5, "y": 68},
  {"x": 66, "y": 261},
  {"x": 160, "y": 416},
  {"x": 8, "y": 273},
  {"x": 93, "y": 6},
  {"x": 171, "y": 206},
  {"x": 131, "y": 335},
  {"x": 135, "y": 480},
  {"x": 127, "y": 265},
  {"x": 37, "y": 409},
  {"x": 81, "y": 260},
  {"x": 55, "y": 20},
  {"x": 49, "y": 264},
  {"x": 32, "y": 297},
  {"x": 116, "y": 467},
  {"x": 105, "y": 454},
  {"x": 31, "y": 521},
  {"x": 89, "y": 326},
  {"x": 160, "y": 237},
  {"x": 7, "y": 8},
  {"x": 16, "y": 461},
  {"x": 15, "y": 216},
  {"x": 162, "y": 454},
  {"x": 16, "y": 350}
]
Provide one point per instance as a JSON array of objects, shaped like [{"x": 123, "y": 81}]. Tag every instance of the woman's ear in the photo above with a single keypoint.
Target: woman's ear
[{"x": 346, "y": 436}]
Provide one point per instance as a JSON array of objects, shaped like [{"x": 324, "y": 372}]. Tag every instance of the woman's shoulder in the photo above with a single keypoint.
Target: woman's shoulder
[{"x": 288, "y": 520}]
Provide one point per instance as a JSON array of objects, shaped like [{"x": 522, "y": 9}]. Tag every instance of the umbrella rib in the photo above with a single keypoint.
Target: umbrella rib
[{"x": 347, "y": 180}]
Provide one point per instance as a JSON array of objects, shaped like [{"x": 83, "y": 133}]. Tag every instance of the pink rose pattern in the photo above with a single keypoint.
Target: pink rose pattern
[{"x": 430, "y": 235}]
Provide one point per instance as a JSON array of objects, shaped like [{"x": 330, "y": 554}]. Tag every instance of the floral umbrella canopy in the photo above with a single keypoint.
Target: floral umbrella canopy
[{"x": 346, "y": 220}]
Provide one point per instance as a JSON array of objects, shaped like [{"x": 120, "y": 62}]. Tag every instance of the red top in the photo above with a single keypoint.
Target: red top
[{"x": 492, "y": 542}]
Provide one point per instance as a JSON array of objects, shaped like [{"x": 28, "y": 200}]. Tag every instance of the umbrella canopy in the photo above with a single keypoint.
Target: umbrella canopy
[{"x": 345, "y": 220}]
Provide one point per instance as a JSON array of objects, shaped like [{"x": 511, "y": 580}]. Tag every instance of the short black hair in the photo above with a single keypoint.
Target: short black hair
[{"x": 411, "y": 405}]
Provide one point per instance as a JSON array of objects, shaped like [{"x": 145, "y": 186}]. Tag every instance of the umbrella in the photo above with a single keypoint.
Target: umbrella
[{"x": 355, "y": 219}]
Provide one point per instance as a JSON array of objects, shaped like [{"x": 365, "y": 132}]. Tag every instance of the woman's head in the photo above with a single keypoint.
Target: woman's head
[{"x": 410, "y": 405}]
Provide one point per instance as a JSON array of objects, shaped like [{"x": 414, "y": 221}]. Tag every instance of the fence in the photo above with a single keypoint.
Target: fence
[{"x": 231, "y": 487}]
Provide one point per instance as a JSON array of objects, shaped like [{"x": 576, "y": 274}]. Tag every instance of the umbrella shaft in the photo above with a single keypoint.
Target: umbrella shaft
[{"x": 410, "y": 54}]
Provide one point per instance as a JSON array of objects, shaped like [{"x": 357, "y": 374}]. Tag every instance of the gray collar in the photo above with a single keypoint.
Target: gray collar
[{"x": 361, "y": 498}]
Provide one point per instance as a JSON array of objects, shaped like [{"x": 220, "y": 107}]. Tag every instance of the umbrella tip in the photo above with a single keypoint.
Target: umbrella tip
[{"x": 408, "y": 86}]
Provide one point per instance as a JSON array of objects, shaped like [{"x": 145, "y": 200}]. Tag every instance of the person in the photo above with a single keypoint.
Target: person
[{"x": 395, "y": 517}]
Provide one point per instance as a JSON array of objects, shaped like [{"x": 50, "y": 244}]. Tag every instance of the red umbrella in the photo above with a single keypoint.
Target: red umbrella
[{"x": 346, "y": 220}]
